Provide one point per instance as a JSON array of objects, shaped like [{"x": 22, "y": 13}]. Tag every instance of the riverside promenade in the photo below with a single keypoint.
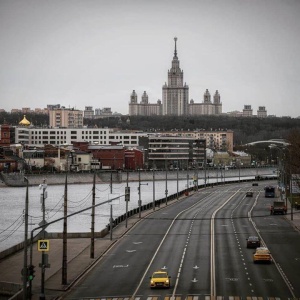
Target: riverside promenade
[{"x": 17, "y": 179}]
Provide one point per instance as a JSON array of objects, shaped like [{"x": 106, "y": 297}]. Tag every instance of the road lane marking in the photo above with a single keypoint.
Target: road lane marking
[{"x": 212, "y": 247}]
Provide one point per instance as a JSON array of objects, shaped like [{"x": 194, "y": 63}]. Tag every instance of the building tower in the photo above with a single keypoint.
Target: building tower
[
  {"x": 175, "y": 94},
  {"x": 217, "y": 103},
  {"x": 206, "y": 97},
  {"x": 133, "y": 104}
]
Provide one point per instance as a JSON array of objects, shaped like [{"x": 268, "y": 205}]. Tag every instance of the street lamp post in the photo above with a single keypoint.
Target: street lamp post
[
  {"x": 166, "y": 190},
  {"x": 43, "y": 186},
  {"x": 239, "y": 170},
  {"x": 139, "y": 191},
  {"x": 283, "y": 178},
  {"x": 25, "y": 268},
  {"x": 153, "y": 181}
]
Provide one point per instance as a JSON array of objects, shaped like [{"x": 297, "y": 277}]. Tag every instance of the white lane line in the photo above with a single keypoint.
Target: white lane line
[{"x": 212, "y": 248}]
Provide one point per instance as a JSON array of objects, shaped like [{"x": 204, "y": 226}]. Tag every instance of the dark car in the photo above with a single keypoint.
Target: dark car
[
  {"x": 253, "y": 242},
  {"x": 254, "y": 184},
  {"x": 249, "y": 194}
]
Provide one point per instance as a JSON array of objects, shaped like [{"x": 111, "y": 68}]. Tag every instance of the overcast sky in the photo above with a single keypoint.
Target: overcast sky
[{"x": 81, "y": 53}]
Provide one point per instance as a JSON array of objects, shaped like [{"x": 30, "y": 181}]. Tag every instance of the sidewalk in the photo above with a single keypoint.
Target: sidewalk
[{"x": 78, "y": 256}]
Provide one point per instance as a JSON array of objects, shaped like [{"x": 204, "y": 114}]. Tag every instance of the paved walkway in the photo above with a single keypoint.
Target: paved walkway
[{"x": 78, "y": 256}]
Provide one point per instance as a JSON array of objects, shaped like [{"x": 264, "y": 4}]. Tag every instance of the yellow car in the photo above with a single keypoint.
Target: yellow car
[
  {"x": 160, "y": 279},
  {"x": 262, "y": 254}
]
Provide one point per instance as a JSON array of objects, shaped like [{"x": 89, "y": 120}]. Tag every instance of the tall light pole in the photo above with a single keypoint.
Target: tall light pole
[
  {"x": 283, "y": 178},
  {"x": 166, "y": 190},
  {"x": 65, "y": 236},
  {"x": 25, "y": 269},
  {"x": 177, "y": 181},
  {"x": 139, "y": 192},
  {"x": 153, "y": 181},
  {"x": 187, "y": 177},
  {"x": 92, "y": 248},
  {"x": 43, "y": 186},
  {"x": 239, "y": 169},
  {"x": 205, "y": 165}
]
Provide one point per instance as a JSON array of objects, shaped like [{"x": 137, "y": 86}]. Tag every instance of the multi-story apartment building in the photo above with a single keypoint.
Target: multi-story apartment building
[
  {"x": 261, "y": 112},
  {"x": 166, "y": 151},
  {"x": 66, "y": 118},
  {"x": 247, "y": 111},
  {"x": 65, "y": 136},
  {"x": 53, "y": 106},
  {"x": 99, "y": 113},
  {"x": 88, "y": 112},
  {"x": 218, "y": 140},
  {"x": 105, "y": 112}
]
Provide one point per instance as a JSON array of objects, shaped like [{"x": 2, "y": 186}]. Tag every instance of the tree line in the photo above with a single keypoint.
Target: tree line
[{"x": 246, "y": 129}]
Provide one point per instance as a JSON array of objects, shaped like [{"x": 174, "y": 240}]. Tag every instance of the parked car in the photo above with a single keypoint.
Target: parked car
[
  {"x": 160, "y": 279},
  {"x": 262, "y": 254},
  {"x": 254, "y": 184},
  {"x": 253, "y": 242},
  {"x": 249, "y": 194}
]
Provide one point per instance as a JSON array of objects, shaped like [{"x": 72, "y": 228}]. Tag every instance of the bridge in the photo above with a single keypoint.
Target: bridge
[{"x": 281, "y": 142}]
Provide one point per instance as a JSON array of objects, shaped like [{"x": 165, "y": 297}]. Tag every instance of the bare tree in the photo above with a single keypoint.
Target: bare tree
[{"x": 293, "y": 156}]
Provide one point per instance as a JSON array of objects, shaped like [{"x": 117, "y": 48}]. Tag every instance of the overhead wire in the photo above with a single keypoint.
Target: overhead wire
[
  {"x": 21, "y": 216},
  {"x": 12, "y": 232}
]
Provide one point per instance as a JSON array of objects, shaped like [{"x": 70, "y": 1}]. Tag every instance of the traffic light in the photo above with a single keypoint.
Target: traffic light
[
  {"x": 127, "y": 193},
  {"x": 31, "y": 272}
]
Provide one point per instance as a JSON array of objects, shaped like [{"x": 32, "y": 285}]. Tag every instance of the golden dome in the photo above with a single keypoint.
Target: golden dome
[{"x": 24, "y": 121}]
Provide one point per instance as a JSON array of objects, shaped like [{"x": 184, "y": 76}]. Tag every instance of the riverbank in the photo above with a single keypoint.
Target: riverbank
[{"x": 18, "y": 180}]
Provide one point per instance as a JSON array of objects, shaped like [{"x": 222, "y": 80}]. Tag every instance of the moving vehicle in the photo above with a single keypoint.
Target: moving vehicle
[
  {"x": 270, "y": 191},
  {"x": 160, "y": 279},
  {"x": 253, "y": 242},
  {"x": 262, "y": 254},
  {"x": 249, "y": 194},
  {"x": 254, "y": 184},
  {"x": 278, "y": 207}
]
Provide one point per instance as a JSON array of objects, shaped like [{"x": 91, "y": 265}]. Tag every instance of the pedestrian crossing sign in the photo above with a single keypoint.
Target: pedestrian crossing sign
[{"x": 43, "y": 245}]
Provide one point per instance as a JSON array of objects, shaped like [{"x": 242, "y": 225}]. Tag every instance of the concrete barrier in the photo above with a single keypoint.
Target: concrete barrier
[{"x": 9, "y": 289}]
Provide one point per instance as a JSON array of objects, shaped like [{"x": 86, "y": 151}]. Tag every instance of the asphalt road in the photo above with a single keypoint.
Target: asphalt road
[{"x": 201, "y": 242}]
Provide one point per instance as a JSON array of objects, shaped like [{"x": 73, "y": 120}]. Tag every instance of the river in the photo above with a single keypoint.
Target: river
[{"x": 79, "y": 197}]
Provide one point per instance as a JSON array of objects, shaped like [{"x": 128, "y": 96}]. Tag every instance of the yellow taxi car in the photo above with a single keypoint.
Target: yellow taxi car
[
  {"x": 262, "y": 254},
  {"x": 160, "y": 279}
]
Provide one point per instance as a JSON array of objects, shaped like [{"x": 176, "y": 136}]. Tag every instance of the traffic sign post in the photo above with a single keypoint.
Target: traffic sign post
[{"x": 43, "y": 245}]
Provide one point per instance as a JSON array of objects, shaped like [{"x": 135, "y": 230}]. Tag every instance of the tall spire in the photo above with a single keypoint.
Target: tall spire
[{"x": 175, "y": 51}]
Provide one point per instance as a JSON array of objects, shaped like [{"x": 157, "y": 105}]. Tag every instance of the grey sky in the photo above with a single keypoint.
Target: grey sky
[{"x": 78, "y": 53}]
